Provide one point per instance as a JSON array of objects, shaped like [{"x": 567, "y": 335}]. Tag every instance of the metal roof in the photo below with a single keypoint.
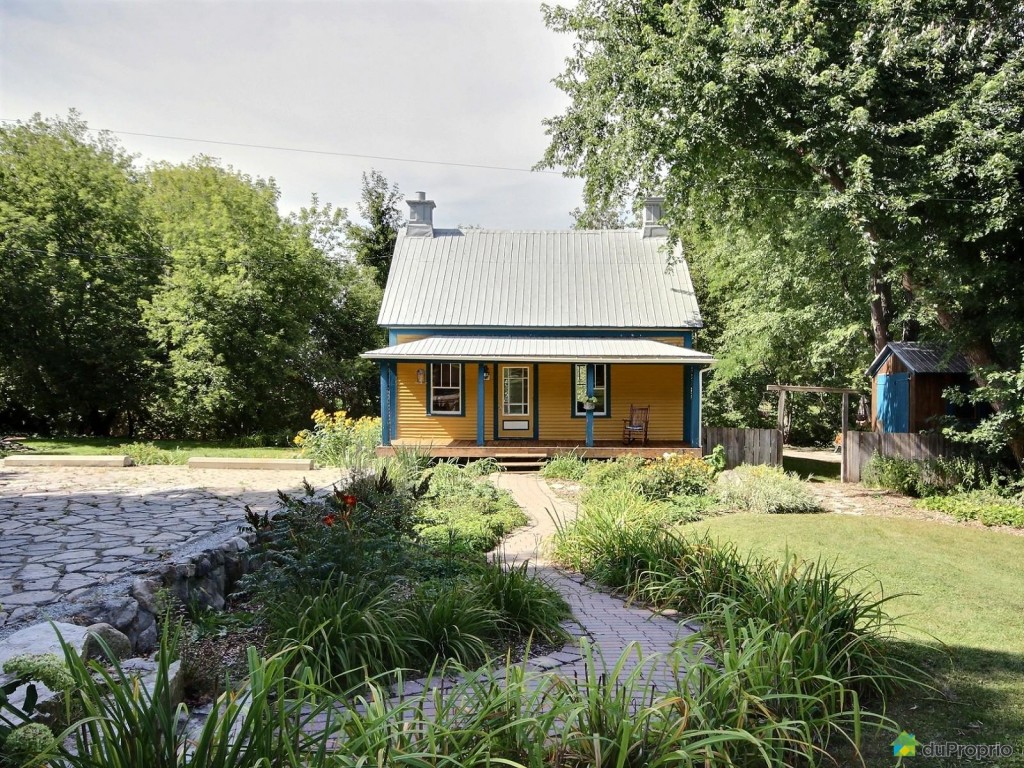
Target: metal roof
[
  {"x": 921, "y": 358},
  {"x": 481, "y": 278},
  {"x": 542, "y": 350}
]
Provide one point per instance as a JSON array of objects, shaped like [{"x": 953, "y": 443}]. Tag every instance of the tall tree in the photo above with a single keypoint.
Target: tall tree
[
  {"x": 373, "y": 242},
  {"x": 900, "y": 124},
  {"x": 76, "y": 258},
  {"x": 347, "y": 326},
  {"x": 234, "y": 311}
]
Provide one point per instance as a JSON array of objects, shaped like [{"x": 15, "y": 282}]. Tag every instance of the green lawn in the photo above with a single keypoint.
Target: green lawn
[
  {"x": 963, "y": 615},
  {"x": 184, "y": 449},
  {"x": 813, "y": 469}
]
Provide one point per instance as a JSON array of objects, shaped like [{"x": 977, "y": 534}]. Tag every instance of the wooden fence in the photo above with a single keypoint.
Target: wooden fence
[
  {"x": 745, "y": 446},
  {"x": 861, "y": 446}
]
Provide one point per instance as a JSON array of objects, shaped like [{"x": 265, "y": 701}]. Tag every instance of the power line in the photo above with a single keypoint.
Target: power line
[
  {"x": 703, "y": 186},
  {"x": 306, "y": 151}
]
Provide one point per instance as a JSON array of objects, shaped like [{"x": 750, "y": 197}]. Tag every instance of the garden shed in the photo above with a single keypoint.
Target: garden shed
[{"x": 909, "y": 380}]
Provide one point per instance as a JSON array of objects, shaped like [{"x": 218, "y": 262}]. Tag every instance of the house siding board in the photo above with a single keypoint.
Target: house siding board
[
  {"x": 415, "y": 422},
  {"x": 658, "y": 386},
  {"x": 510, "y": 279}
]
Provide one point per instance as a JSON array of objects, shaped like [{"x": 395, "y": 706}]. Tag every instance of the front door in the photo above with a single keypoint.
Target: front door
[{"x": 516, "y": 411}]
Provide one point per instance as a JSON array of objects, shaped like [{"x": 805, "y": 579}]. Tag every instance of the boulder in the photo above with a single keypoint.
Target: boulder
[{"x": 118, "y": 643}]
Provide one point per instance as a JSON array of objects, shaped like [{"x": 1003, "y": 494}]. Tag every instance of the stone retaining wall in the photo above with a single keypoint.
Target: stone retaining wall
[{"x": 204, "y": 579}]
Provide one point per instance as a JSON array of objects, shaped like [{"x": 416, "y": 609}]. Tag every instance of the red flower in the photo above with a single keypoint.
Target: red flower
[
  {"x": 350, "y": 500},
  {"x": 329, "y": 520}
]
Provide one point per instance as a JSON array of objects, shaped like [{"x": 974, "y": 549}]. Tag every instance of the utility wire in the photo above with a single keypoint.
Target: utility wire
[
  {"x": 306, "y": 151},
  {"x": 703, "y": 186}
]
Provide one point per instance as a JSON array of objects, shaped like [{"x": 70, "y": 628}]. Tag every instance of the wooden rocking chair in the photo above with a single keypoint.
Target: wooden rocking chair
[{"x": 636, "y": 425}]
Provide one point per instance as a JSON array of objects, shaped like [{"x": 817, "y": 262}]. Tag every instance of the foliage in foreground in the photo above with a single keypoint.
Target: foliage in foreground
[
  {"x": 389, "y": 572},
  {"x": 609, "y": 715},
  {"x": 837, "y": 630}
]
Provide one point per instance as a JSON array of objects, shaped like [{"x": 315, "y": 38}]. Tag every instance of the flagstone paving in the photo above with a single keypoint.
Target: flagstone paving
[{"x": 71, "y": 535}]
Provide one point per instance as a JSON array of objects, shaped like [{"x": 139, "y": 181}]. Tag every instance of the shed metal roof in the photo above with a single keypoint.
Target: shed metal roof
[
  {"x": 516, "y": 349},
  {"x": 546, "y": 279},
  {"x": 921, "y": 358}
]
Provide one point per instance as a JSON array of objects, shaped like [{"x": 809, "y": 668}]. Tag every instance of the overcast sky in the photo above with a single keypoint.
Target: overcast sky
[{"x": 464, "y": 81}]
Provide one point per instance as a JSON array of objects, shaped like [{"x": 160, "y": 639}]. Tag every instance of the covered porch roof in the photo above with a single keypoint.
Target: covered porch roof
[{"x": 540, "y": 350}]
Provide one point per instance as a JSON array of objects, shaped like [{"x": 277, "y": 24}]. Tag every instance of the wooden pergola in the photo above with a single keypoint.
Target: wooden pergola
[{"x": 782, "y": 389}]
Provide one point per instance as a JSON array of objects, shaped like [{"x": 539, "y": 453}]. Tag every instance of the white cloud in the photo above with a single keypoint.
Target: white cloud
[{"x": 465, "y": 82}]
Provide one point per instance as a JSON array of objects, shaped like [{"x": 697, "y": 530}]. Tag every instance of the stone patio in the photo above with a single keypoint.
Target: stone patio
[{"x": 71, "y": 536}]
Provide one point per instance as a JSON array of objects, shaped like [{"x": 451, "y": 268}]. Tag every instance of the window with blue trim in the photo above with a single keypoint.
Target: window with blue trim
[
  {"x": 446, "y": 389},
  {"x": 600, "y": 389}
]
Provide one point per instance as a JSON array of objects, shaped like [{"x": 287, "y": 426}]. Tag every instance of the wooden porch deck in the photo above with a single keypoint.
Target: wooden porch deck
[{"x": 537, "y": 449}]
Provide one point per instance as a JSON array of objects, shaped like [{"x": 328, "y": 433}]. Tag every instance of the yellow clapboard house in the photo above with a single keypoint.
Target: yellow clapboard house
[{"x": 541, "y": 340}]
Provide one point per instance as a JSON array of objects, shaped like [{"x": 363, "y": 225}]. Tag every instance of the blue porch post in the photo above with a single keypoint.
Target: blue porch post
[
  {"x": 590, "y": 413},
  {"x": 480, "y": 370},
  {"x": 697, "y": 406},
  {"x": 385, "y": 403},
  {"x": 687, "y": 404},
  {"x": 691, "y": 430}
]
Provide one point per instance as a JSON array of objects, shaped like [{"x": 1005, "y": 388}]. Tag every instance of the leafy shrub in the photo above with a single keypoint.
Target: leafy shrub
[
  {"x": 893, "y": 473},
  {"x": 951, "y": 474},
  {"x": 603, "y": 473},
  {"x": 451, "y": 621},
  {"x": 345, "y": 631},
  {"x": 339, "y": 441},
  {"x": 144, "y": 454},
  {"x": 675, "y": 474},
  {"x": 465, "y": 510},
  {"x": 365, "y": 527},
  {"x": 987, "y": 507},
  {"x": 688, "y": 509},
  {"x": 717, "y": 459},
  {"x": 27, "y": 745},
  {"x": 568, "y": 466},
  {"x": 743, "y": 697},
  {"x": 765, "y": 490},
  {"x": 482, "y": 467},
  {"x": 524, "y": 602}
]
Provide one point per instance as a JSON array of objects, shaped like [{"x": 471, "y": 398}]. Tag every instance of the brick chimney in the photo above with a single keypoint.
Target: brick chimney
[
  {"x": 652, "y": 226},
  {"x": 421, "y": 216}
]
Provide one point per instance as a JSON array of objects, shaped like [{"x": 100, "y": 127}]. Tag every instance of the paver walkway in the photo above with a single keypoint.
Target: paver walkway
[
  {"x": 69, "y": 536},
  {"x": 609, "y": 623}
]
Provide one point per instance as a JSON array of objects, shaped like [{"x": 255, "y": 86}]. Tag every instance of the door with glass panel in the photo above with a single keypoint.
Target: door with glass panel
[{"x": 515, "y": 401}]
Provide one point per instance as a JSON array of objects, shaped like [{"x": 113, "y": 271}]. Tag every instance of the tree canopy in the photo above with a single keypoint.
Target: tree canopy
[
  {"x": 171, "y": 301},
  {"x": 76, "y": 259},
  {"x": 875, "y": 147}
]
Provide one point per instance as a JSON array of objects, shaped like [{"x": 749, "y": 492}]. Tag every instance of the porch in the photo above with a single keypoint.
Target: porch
[
  {"x": 530, "y": 455},
  {"x": 461, "y": 397},
  {"x": 535, "y": 449}
]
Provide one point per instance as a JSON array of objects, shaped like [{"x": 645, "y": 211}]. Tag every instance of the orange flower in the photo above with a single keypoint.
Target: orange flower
[
  {"x": 350, "y": 500},
  {"x": 329, "y": 520}
]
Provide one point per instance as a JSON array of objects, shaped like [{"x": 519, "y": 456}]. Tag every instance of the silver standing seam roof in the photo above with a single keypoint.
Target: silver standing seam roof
[
  {"x": 922, "y": 358},
  {"x": 480, "y": 278},
  {"x": 535, "y": 349}
]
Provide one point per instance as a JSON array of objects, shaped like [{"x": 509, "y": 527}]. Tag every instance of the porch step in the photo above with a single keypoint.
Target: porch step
[{"x": 521, "y": 462}]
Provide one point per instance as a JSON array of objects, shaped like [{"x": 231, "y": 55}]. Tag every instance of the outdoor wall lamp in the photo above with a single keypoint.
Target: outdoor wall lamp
[
  {"x": 421, "y": 376},
  {"x": 487, "y": 373}
]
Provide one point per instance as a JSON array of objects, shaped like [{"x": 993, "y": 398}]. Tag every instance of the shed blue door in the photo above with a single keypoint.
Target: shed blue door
[{"x": 893, "y": 409}]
